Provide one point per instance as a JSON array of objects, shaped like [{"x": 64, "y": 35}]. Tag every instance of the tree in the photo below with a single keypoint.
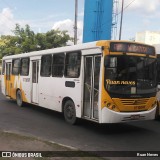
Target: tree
[
  {"x": 25, "y": 40},
  {"x": 56, "y": 38}
]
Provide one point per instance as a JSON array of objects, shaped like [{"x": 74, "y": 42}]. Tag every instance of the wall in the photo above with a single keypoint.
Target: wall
[{"x": 97, "y": 20}]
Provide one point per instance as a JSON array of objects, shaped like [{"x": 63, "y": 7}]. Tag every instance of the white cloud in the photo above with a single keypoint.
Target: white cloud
[
  {"x": 68, "y": 25},
  {"x": 139, "y": 15},
  {"x": 7, "y": 22},
  {"x": 143, "y": 6}
]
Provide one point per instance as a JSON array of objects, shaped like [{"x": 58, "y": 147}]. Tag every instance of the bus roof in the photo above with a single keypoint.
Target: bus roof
[
  {"x": 83, "y": 46},
  {"x": 55, "y": 50}
]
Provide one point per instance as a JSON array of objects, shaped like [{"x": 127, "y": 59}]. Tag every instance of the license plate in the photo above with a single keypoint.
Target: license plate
[{"x": 135, "y": 117}]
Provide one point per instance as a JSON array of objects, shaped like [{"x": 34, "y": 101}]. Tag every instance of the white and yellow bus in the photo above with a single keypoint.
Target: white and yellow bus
[{"x": 103, "y": 81}]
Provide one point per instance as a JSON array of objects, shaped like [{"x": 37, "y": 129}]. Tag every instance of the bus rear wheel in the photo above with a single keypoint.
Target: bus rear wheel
[
  {"x": 19, "y": 98},
  {"x": 70, "y": 112}
]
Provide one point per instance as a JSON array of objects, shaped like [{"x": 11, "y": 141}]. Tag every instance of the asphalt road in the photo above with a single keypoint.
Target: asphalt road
[{"x": 46, "y": 124}]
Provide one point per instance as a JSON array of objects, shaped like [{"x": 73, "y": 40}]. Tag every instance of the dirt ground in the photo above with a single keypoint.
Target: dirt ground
[{"x": 12, "y": 142}]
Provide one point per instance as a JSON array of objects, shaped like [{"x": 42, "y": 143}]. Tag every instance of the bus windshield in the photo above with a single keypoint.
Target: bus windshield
[{"x": 132, "y": 75}]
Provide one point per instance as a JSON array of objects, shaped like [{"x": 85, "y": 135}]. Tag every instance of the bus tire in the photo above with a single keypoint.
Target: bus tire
[
  {"x": 70, "y": 112},
  {"x": 19, "y": 98}
]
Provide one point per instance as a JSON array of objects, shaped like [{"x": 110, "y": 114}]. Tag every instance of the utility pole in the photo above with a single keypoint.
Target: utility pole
[
  {"x": 120, "y": 30},
  {"x": 75, "y": 22}
]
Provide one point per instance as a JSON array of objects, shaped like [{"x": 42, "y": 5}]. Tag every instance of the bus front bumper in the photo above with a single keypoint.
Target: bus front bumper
[{"x": 109, "y": 116}]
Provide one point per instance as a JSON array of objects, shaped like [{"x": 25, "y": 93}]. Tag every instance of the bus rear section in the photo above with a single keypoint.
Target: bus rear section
[
  {"x": 158, "y": 80},
  {"x": 157, "y": 48}
]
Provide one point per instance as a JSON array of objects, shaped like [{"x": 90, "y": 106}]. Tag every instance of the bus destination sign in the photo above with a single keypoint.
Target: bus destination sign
[{"x": 132, "y": 48}]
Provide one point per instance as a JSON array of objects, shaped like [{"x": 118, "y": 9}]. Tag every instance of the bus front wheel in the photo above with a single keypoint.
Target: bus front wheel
[
  {"x": 19, "y": 98},
  {"x": 70, "y": 112}
]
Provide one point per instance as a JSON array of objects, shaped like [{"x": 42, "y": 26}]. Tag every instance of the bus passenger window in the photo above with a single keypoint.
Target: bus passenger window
[
  {"x": 73, "y": 63},
  {"x": 46, "y": 62},
  {"x": 24, "y": 66},
  {"x": 16, "y": 66},
  {"x": 3, "y": 67},
  {"x": 58, "y": 65}
]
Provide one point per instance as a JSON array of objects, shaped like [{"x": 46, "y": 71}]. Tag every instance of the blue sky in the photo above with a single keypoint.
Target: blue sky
[
  {"x": 39, "y": 14},
  {"x": 140, "y": 16},
  {"x": 44, "y": 15}
]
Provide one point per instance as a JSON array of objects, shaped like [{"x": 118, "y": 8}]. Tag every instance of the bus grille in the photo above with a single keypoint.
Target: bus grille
[
  {"x": 130, "y": 102},
  {"x": 134, "y": 105}
]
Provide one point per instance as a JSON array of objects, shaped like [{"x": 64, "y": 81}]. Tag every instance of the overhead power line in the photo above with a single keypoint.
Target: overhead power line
[{"x": 129, "y": 4}]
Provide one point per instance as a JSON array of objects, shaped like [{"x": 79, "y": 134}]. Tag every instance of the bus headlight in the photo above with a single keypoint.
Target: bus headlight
[
  {"x": 154, "y": 104},
  {"x": 108, "y": 105},
  {"x": 111, "y": 106}
]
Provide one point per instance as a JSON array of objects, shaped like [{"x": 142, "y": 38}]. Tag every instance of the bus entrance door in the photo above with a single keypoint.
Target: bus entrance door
[
  {"x": 8, "y": 79},
  {"x": 35, "y": 70},
  {"x": 91, "y": 86}
]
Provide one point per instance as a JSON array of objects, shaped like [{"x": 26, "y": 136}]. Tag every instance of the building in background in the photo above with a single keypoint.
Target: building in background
[
  {"x": 148, "y": 37},
  {"x": 97, "y": 20}
]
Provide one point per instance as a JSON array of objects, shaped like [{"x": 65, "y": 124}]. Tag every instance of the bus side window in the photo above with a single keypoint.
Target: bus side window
[
  {"x": 16, "y": 66},
  {"x": 46, "y": 62},
  {"x": 3, "y": 67},
  {"x": 73, "y": 63},
  {"x": 58, "y": 65},
  {"x": 24, "y": 66}
]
